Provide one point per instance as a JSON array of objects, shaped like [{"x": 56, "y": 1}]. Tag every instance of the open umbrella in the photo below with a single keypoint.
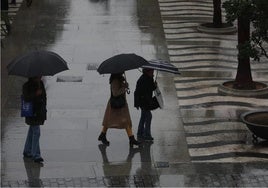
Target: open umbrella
[
  {"x": 37, "y": 63},
  {"x": 121, "y": 63},
  {"x": 162, "y": 65}
]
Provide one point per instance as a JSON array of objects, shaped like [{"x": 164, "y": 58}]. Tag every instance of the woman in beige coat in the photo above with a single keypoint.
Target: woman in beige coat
[{"x": 118, "y": 118}]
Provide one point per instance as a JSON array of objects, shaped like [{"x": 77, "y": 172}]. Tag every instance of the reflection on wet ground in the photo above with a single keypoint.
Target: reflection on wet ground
[
  {"x": 212, "y": 124},
  {"x": 87, "y": 33},
  {"x": 199, "y": 140}
]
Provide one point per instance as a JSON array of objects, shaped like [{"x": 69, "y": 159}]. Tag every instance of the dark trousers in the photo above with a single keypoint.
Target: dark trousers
[{"x": 144, "y": 129}]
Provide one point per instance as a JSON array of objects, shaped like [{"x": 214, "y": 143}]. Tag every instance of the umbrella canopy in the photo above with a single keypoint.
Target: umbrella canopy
[
  {"x": 162, "y": 65},
  {"x": 37, "y": 63},
  {"x": 121, "y": 63}
]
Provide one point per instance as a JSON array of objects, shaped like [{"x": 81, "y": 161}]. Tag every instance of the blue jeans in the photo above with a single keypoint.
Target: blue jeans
[
  {"x": 144, "y": 129},
  {"x": 32, "y": 147}
]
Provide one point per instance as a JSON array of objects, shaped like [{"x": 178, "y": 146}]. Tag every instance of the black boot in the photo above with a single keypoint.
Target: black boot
[
  {"x": 133, "y": 141},
  {"x": 102, "y": 148},
  {"x": 102, "y": 138}
]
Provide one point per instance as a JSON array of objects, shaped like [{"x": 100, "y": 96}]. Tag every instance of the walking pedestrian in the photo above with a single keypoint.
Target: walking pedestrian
[
  {"x": 143, "y": 98},
  {"x": 117, "y": 117},
  {"x": 34, "y": 91},
  {"x": 4, "y": 15}
]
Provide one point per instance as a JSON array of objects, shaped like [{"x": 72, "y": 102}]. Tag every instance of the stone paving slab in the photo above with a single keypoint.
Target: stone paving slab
[
  {"x": 168, "y": 175},
  {"x": 205, "y": 61},
  {"x": 212, "y": 180}
]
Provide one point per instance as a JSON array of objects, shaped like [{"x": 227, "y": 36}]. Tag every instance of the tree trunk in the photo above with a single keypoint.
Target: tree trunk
[
  {"x": 243, "y": 76},
  {"x": 217, "y": 17}
]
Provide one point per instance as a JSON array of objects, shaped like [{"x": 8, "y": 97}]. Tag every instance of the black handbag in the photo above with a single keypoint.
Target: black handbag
[
  {"x": 153, "y": 104},
  {"x": 118, "y": 101}
]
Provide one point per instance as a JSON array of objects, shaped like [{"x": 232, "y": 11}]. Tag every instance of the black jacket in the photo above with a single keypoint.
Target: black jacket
[
  {"x": 143, "y": 94},
  {"x": 39, "y": 102}
]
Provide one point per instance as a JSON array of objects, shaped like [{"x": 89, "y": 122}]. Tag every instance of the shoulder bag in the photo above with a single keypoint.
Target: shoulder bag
[{"x": 26, "y": 108}]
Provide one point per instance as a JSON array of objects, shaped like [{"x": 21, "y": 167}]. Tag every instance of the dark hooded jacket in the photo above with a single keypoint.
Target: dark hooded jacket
[
  {"x": 39, "y": 102},
  {"x": 143, "y": 94}
]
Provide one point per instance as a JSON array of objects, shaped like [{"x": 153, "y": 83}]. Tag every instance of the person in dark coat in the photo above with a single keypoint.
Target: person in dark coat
[
  {"x": 34, "y": 90},
  {"x": 143, "y": 98}
]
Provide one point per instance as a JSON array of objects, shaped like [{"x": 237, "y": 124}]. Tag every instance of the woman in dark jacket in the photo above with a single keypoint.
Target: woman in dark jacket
[
  {"x": 34, "y": 91},
  {"x": 144, "y": 99}
]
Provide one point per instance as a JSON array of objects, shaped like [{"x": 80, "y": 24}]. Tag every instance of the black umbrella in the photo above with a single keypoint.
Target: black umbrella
[
  {"x": 37, "y": 63},
  {"x": 121, "y": 63},
  {"x": 162, "y": 65}
]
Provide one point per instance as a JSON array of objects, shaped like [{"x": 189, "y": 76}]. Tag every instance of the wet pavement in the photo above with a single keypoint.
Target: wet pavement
[
  {"x": 213, "y": 129},
  {"x": 199, "y": 140}
]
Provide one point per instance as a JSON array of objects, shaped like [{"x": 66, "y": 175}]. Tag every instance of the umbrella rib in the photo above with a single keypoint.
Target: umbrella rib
[
  {"x": 37, "y": 63},
  {"x": 162, "y": 65}
]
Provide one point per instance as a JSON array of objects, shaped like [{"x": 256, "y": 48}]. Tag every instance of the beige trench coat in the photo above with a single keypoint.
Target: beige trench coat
[{"x": 117, "y": 118}]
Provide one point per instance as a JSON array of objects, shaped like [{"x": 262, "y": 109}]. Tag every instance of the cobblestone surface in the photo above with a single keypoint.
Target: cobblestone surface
[{"x": 208, "y": 180}]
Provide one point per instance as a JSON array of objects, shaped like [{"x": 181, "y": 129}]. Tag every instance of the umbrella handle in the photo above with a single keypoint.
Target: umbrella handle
[{"x": 128, "y": 90}]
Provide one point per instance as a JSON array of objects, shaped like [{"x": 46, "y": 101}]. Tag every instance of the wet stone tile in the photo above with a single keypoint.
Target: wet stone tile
[
  {"x": 161, "y": 164},
  {"x": 92, "y": 67},
  {"x": 69, "y": 79}
]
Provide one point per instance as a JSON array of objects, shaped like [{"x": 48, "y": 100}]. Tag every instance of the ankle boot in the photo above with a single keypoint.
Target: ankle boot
[
  {"x": 103, "y": 139},
  {"x": 133, "y": 141}
]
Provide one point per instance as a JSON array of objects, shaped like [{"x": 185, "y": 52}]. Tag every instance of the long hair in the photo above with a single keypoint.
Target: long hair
[{"x": 118, "y": 76}]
